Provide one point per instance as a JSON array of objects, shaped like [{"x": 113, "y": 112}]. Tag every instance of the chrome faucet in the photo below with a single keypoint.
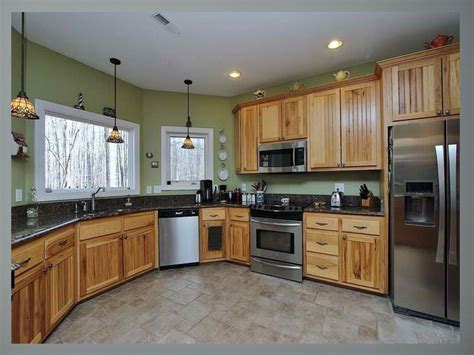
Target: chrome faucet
[{"x": 93, "y": 197}]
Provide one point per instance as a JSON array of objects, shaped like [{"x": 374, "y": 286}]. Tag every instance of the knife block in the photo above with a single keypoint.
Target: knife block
[{"x": 369, "y": 201}]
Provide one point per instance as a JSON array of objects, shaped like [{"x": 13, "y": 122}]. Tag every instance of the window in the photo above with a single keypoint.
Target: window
[
  {"x": 183, "y": 168},
  {"x": 73, "y": 158}
]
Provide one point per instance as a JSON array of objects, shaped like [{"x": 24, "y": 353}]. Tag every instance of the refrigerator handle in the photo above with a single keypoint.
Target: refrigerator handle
[
  {"x": 442, "y": 203},
  {"x": 453, "y": 233}
]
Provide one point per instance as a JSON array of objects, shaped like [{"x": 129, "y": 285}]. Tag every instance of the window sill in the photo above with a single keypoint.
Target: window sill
[
  {"x": 61, "y": 196},
  {"x": 179, "y": 187}
]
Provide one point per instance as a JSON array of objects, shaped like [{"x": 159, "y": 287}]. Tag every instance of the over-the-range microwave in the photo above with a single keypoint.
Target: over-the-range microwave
[{"x": 282, "y": 157}]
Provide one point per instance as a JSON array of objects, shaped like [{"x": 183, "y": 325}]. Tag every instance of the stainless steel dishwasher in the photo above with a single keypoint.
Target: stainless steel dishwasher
[{"x": 179, "y": 237}]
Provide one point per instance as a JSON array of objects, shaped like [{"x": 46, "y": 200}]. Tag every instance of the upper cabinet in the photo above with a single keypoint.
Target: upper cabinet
[
  {"x": 248, "y": 136},
  {"x": 420, "y": 85},
  {"x": 269, "y": 122},
  {"x": 294, "y": 119}
]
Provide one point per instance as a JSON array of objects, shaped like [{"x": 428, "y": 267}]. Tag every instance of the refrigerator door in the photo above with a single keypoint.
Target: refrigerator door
[
  {"x": 452, "y": 287},
  {"x": 418, "y": 217}
]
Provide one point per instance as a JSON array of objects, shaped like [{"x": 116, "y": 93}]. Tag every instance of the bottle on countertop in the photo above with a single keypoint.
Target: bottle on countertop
[{"x": 244, "y": 199}]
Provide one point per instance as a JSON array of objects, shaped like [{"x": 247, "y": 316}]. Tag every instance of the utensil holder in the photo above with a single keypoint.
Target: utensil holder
[{"x": 259, "y": 197}]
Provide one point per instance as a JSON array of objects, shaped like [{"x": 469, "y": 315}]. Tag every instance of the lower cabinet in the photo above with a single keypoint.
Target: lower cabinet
[
  {"x": 212, "y": 237},
  {"x": 59, "y": 282},
  {"x": 239, "y": 240},
  {"x": 27, "y": 306},
  {"x": 138, "y": 251},
  {"x": 100, "y": 263}
]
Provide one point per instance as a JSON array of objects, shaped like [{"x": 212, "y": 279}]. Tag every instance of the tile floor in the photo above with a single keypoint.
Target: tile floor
[{"x": 226, "y": 303}]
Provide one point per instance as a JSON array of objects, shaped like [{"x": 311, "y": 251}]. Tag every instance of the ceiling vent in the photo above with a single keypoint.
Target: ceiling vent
[{"x": 166, "y": 23}]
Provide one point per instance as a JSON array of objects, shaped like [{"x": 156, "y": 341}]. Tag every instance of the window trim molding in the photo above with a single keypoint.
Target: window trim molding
[
  {"x": 43, "y": 107},
  {"x": 209, "y": 169}
]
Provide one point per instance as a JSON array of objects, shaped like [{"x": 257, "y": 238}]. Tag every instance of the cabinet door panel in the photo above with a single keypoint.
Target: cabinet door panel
[
  {"x": 416, "y": 89},
  {"x": 360, "y": 125},
  {"x": 239, "y": 241},
  {"x": 60, "y": 281},
  {"x": 28, "y": 307},
  {"x": 294, "y": 118},
  {"x": 138, "y": 251},
  {"x": 101, "y": 263},
  {"x": 452, "y": 84},
  {"x": 237, "y": 144},
  {"x": 269, "y": 118},
  {"x": 325, "y": 129},
  {"x": 212, "y": 240},
  {"x": 361, "y": 258},
  {"x": 249, "y": 138}
]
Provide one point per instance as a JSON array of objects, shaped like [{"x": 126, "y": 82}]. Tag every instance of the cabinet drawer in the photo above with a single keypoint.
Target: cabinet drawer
[
  {"x": 363, "y": 226},
  {"x": 321, "y": 222},
  {"x": 58, "y": 241},
  {"x": 139, "y": 220},
  {"x": 28, "y": 255},
  {"x": 239, "y": 214},
  {"x": 322, "y": 242},
  {"x": 212, "y": 214},
  {"x": 99, "y": 227},
  {"x": 321, "y": 265}
]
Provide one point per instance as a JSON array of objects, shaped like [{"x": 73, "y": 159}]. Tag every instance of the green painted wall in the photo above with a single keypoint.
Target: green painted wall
[{"x": 53, "y": 77}]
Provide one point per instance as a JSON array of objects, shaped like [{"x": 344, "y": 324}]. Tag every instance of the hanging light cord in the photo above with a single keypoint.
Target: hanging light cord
[
  {"x": 22, "y": 52},
  {"x": 189, "y": 118},
  {"x": 115, "y": 94}
]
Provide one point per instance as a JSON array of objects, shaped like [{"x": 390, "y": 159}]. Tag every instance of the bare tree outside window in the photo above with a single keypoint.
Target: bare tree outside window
[
  {"x": 187, "y": 164},
  {"x": 77, "y": 156}
]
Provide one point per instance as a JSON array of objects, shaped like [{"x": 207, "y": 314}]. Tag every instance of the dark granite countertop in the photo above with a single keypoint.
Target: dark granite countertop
[
  {"x": 24, "y": 229},
  {"x": 354, "y": 210}
]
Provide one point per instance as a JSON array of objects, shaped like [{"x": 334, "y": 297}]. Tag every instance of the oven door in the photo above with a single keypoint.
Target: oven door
[
  {"x": 276, "y": 239},
  {"x": 282, "y": 157}
]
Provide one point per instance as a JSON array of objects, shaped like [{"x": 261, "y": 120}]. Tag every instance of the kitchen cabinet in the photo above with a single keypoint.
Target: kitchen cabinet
[
  {"x": 27, "y": 305},
  {"x": 100, "y": 263},
  {"x": 60, "y": 277},
  {"x": 452, "y": 84},
  {"x": 212, "y": 234},
  {"x": 269, "y": 122},
  {"x": 237, "y": 144},
  {"x": 239, "y": 239},
  {"x": 361, "y": 259},
  {"x": 294, "y": 119},
  {"x": 346, "y": 250},
  {"x": 324, "y": 137},
  {"x": 420, "y": 85},
  {"x": 360, "y": 125},
  {"x": 138, "y": 251},
  {"x": 249, "y": 139}
]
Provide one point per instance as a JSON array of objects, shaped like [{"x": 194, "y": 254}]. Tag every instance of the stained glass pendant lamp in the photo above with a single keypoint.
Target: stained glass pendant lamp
[
  {"x": 21, "y": 106},
  {"x": 188, "y": 144},
  {"x": 114, "y": 136}
]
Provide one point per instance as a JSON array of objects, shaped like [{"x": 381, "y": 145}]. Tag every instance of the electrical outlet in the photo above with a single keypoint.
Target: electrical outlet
[
  {"x": 243, "y": 187},
  {"x": 18, "y": 195},
  {"x": 340, "y": 186},
  {"x": 156, "y": 189},
  {"x": 148, "y": 189}
]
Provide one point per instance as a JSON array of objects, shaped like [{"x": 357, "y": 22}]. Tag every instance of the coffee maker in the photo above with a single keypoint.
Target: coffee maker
[{"x": 206, "y": 191}]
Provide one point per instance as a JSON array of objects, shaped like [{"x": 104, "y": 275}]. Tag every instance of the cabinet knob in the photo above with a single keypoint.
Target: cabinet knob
[
  {"x": 62, "y": 242},
  {"x": 439, "y": 112},
  {"x": 447, "y": 112},
  {"x": 344, "y": 237},
  {"x": 125, "y": 237}
]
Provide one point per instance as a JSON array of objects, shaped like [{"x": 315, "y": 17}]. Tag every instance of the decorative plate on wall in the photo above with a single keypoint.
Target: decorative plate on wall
[
  {"x": 223, "y": 173},
  {"x": 222, "y": 155},
  {"x": 222, "y": 137}
]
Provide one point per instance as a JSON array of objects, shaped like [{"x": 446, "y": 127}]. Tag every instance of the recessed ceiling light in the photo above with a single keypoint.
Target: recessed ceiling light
[
  {"x": 234, "y": 74},
  {"x": 335, "y": 43}
]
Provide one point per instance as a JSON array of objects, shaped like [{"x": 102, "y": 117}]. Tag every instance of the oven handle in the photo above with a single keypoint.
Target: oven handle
[
  {"x": 291, "y": 267},
  {"x": 282, "y": 224}
]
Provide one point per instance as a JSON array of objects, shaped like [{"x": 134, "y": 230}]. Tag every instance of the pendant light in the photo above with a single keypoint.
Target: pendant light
[
  {"x": 114, "y": 136},
  {"x": 21, "y": 106},
  {"x": 188, "y": 144}
]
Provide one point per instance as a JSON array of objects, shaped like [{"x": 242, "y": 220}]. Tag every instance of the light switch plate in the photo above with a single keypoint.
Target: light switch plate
[
  {"x": 18, "y": 195},
  {"x": 156, "y": 189},
  {"x": 340, "y": 186},
  {"x": 148, "y": 189}
]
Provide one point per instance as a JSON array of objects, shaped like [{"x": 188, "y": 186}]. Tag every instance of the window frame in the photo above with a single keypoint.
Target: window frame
[
  {"x": 166, "y": 132},
  {"x": 44, "y": 108}
]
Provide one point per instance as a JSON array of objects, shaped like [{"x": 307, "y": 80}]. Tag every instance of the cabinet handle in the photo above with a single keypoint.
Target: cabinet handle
[
  {"x": 23, "y": 262},
  {"x": 360, "y": 227},
  {"x": 62, "y": 242},
  {"x": 321, "y": 243},
  {"x": 121, "y": 237},
  {"x": 213, "y": 215},
  {"x": 447, "y": 112},
  {"x": 439, "y": 112},
  {"x": 50, "y": 266},
  {"x": 239, "y": 216},
  {"x": 321, "y": 267},
  {"x": 344, "y": 237},
  {"x": 125, "y": 237},
  {"x": 47, "y": 267},
  {"x": 321, "y": 224}
]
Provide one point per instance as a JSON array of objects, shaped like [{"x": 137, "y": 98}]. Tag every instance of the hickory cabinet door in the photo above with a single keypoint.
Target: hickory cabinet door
[
  {"x": 239, "y": 241},
  {"x": 237, "y": 144},
  {"x": 452, "y": 84},
  {"x": 294, "y": 118},
  {"x": 325, "y": 129},
  {"x": 416, "y": 89},
  {"x": 360, "y": 126},
  {"x": 138, "y": 251},
  {"x": 269, "y": 119},
  {"x": 249, "y": 139}
]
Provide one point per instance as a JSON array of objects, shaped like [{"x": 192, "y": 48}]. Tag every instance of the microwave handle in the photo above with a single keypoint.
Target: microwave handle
[{"x": 293, "y": 163}]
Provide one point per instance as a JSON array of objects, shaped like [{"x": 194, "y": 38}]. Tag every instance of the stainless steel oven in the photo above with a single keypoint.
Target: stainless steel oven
[
  {"x": 276, "y": 247},
  {"x": 282, "y": 157}
]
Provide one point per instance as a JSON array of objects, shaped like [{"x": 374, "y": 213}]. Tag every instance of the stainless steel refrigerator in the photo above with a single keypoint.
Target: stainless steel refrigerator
[{"x": 424, "y": 219}]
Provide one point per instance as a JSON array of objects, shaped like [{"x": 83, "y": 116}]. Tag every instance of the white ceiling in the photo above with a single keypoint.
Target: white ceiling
[{"x": 269, "y": 48}]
